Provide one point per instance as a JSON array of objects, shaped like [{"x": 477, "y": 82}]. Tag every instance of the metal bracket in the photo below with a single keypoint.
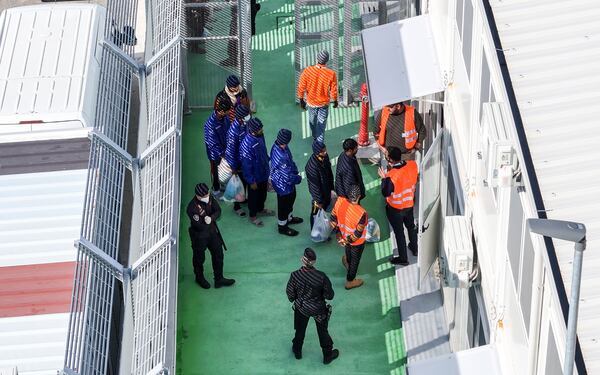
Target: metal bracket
[
  {"x": 156, "y": 144},
  {"x": 161, "y": 52},
  {"x": 101, "y": 256},
  {"x": 119, "y": 52},
  {"x": 148, "y": 254},
  {"x": 125, "y": 156}
]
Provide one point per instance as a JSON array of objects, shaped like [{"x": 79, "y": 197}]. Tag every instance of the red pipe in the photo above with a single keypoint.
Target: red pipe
[{"x": 363, "y": 134}]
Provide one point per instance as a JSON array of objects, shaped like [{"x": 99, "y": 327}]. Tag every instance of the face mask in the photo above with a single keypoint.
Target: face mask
[
  {"x": 247, "y": 118},
  {"x": 205, "y": 199}
]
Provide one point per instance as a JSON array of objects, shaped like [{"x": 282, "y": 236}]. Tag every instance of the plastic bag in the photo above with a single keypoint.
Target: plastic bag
[
  {"x": 234, "y": 192},
  {"x": 373, "y": 231},
  {"x": 321, "y": 229},
  {"x": 225, "y": 172}
]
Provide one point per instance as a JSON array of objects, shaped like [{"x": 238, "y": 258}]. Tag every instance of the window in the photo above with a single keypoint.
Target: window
[
  {"x": 459, "y": 16},
  {"x": 553, "y": 366},
  {"x": 467, "y": 35},
  {"x": 515, "y": 230},
  {"x": 526, "y": 278},
  {"x": 484, "y": 95}
]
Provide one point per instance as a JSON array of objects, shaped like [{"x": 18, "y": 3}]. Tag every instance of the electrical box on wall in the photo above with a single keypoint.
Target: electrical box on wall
[
  {"x": 498, "y": 151},
  {"x": 456, "y": 258}
]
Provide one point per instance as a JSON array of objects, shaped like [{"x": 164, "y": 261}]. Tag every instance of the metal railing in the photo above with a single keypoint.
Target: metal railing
[{"x": 96, "y": 343}]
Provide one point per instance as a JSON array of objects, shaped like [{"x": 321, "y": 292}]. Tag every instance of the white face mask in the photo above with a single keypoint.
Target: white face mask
[
  {"x": 247, "y": 118},
  {"x": 205, "y": 199}
]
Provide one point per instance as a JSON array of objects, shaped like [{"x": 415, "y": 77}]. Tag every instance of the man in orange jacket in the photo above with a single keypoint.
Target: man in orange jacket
[
  {"x": 399, "y": 125},
  {"x": 319, "y": 83},
  {"x": 351, "y": 220},
  {"x": 398, "y": 187}
]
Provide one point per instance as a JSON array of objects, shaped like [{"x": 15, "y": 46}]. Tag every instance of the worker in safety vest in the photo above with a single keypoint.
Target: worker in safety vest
[
  {"x": 351, "y": 220},
  {"x": 401, "y": 126},
  {"x": 398, "y": 187}
]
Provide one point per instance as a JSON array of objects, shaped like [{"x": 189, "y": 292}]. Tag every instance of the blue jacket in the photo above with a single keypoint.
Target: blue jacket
[
  {"x": 235, "y": 136},
  {"x": 284, "y": 173},
  {"x": 255, "y": 161},
  {"x": 215, "y": 136}
]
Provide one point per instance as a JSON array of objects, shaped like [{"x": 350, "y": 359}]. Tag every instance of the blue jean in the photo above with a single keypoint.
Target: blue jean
[{"x": 317, "y": 119}]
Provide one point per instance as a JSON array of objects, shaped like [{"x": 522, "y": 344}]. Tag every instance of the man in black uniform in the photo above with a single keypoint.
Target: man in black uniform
[
  {"x": 347, "y": 171},
  {"x": 203, "y": 211},
  {"x": 320, "y": 179},
  {"x": 308, "y": 289}
]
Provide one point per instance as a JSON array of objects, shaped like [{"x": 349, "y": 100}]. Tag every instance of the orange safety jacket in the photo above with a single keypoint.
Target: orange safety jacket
[
  {"x": 348, "y": 216},
  {"x": 320, "y": 84},
  {"x": 404, "y": 180},
  {"x": 410, "y": 134}
]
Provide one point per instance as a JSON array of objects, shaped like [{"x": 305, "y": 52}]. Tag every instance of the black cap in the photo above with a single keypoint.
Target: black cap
[
  {"x": 394, "y": 153},
  {"x": 310, "y": 254},
  {"x": 201, "y": 189}
]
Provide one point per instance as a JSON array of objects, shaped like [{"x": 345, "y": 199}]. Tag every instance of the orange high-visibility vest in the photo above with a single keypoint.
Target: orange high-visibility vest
[
  {"x": 410, "y": 134},
  {"x": 348, "y": 215},
  {"x": 404, "y": 180}
]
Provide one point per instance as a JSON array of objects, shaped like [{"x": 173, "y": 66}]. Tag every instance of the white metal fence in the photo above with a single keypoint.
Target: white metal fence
[{"x": 144, "y": 331}]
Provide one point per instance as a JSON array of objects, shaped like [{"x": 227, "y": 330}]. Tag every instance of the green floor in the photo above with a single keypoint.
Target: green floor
[{"x": 247, "y": 329}]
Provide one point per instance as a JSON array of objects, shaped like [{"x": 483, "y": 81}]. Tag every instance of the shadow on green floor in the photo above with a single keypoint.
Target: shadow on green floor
[{"x": 247, "y": 329}]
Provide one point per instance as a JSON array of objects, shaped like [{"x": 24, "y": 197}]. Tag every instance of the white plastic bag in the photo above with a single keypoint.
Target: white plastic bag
[
  {"x": 373, "y": 231},
  {"x": 321, "y": 228},
  {"x": 234, "y": 192},
  {"x": 224, "y": 170}
]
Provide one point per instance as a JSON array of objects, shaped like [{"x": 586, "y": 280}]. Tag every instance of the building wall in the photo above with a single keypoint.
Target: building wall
[{"x": 519, "y": 300}]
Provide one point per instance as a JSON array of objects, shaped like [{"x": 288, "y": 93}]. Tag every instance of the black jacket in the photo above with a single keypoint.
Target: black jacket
[
  {"x": 308, "y": 288},
  {"x": 347, "y": 173},
  {"x": 197, "y": 211},
  {"x": 320, "y": 179}
]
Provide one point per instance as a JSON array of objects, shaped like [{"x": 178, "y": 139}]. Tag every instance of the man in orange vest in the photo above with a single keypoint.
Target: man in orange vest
[
  {"x": 400, "y": 125},
  {"x": 320, "y": 85},
  {"x": 398, "y": 187},
  {"x": 351, "y": 220}
]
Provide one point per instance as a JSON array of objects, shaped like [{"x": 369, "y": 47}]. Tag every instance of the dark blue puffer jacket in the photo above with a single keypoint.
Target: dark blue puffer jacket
[
  {"x": 215, "y": 136},
  {"x": 235, "y": 136},
  {"x": 284, "y": 173},
  {"x": 255, "y": 161}
]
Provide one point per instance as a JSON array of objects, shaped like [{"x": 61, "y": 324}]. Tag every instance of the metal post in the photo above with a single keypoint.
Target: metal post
[
  {"x": 382, "y": 9},
  {"x": 573, "y": 308}
]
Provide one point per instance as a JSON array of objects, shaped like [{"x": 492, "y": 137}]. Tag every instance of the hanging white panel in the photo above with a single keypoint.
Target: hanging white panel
[{"x": 401, "y": 61}]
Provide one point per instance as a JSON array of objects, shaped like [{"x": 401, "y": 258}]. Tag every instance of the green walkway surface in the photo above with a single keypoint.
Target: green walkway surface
[{"x": 247, "y": 329}]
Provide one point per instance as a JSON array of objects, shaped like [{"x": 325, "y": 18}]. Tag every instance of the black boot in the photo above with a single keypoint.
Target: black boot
[
  {"x": 284, "y": 229},
  {"x": 295, "y": 220},
  {"x": 397, "y": 260},
  {"x": 200, "y": 280},
  {"x": 297, "y": 353},
  {"x": 327, "y": 359},
  {"x": 224, "y": 282}
]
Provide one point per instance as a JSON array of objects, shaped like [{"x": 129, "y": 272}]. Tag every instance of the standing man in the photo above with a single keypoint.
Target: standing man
[
  {"x": 320, "y": 179},
  {"x": 347, "y": 171},
  {"x": 235, "y": 136},
  {"x": 215, "y": 137},
  {"x": 255, "y": 165},
  {"x": 284, "y": 177},
  {"x": 308, "y": 289},
  {"x": 398, "y": 187},
  {"x": 400, "y": 126},
  {"x": 203, "y": 211},
  {"x": 320, "y": 85},
  {"x": 351, "y": 220},
  {"x": 236, "y": 94}
]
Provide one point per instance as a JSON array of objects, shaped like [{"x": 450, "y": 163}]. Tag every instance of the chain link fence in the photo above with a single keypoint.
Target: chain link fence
[
  {"x": 123, "y": 316},
  {"x": 217, "y": 41}
]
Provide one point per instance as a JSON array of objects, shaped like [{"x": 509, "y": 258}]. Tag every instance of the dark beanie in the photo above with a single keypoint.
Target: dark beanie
[
  {"x": 349, "y": 144},
  {"x": 233, "y": 81},
  {"x": 310, "y": 254},
  {"x": 394, "y": 153},
  {"x": 284, "y": 137},
  {"x": 354, "y": 193},
  {"x": 201, "y": 189},
  {"x": 241, "y": 111},
  {"x": 254, "y": 125},
  {"x": 317, "y": 146},
  {"x": 323, "y": 57}
]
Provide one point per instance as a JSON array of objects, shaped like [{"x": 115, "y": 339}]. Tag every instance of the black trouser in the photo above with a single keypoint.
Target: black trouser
[
  {"x": 199, "y": 245},
  {"x": 314, "y": 209},
  {"x": 238, "y": 205},
  {"x": 257, "y": 198},
  {"x": 285, "y": 206},
  {"x": 214, "y": 174},
  {"x": 353, "y": 255},
  {"x": 400, "y": 218},
  {"x": 300, "y": 323}
]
